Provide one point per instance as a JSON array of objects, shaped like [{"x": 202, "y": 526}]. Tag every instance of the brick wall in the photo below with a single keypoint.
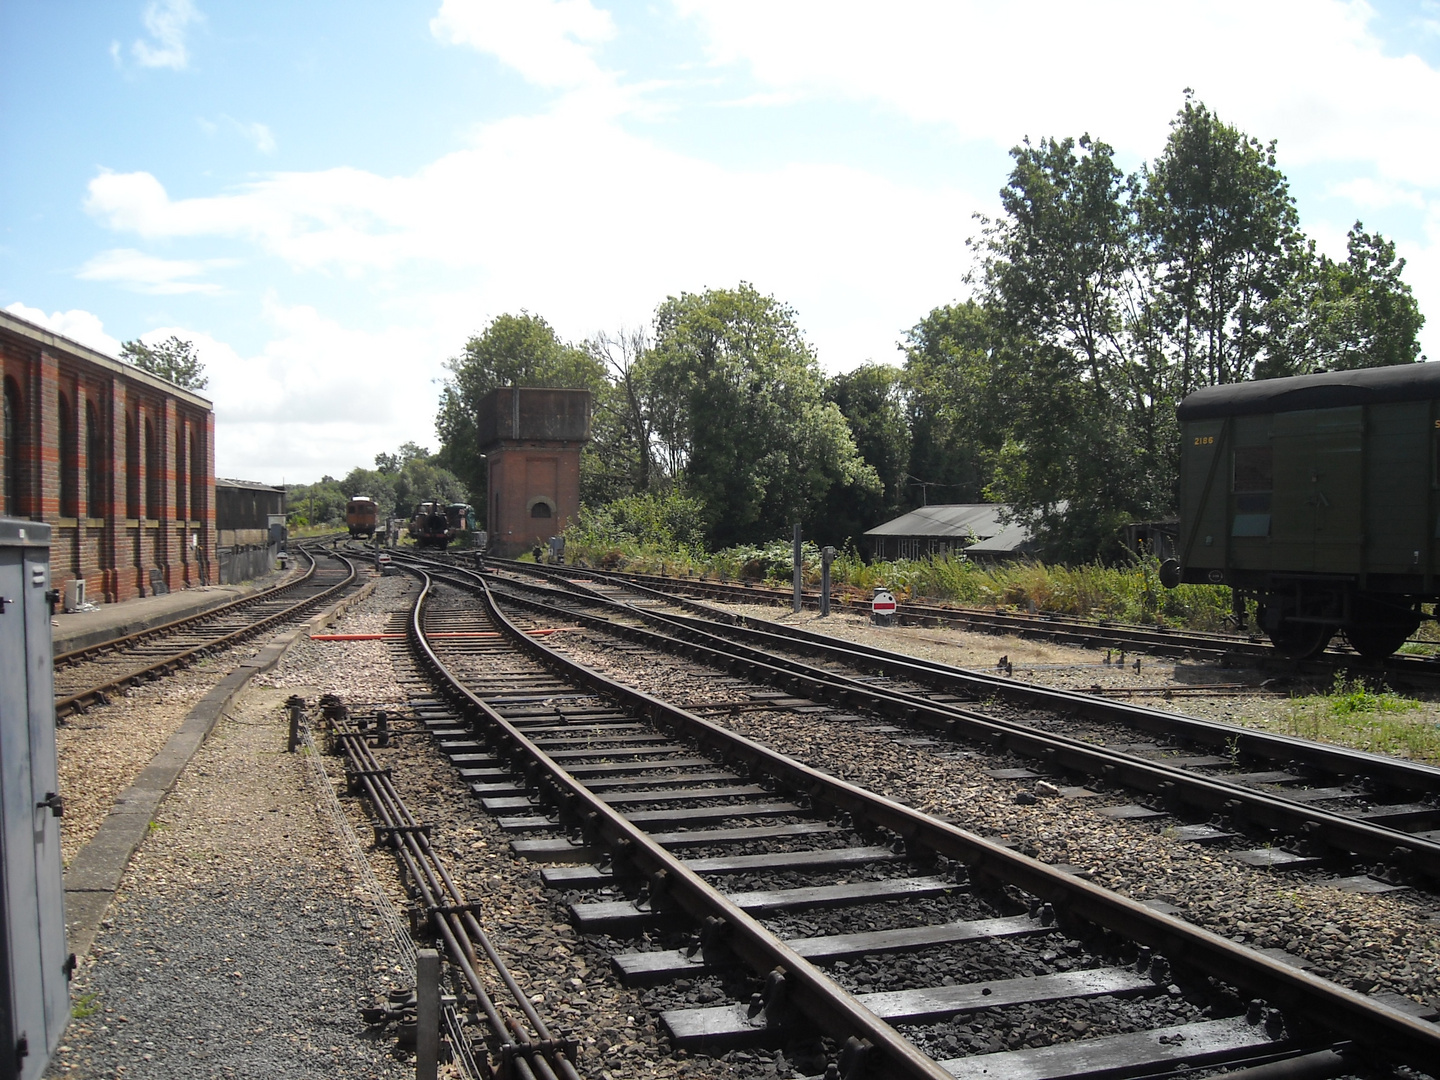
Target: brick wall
[{"x": 95, "y": 539}]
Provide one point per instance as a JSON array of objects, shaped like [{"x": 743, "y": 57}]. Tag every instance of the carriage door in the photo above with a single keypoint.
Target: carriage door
[{"x": 1336, "y": 490}]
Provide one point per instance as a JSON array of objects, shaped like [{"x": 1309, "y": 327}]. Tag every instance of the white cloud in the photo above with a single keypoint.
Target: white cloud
[
  {"x": 75, "y": 324},
  {"x": 167, "y": 22},
  {"x": 318, "y": 397},
  {"x": 512, "y": 222},
  {"x": 1307, "y": 72},
  {"x": 149, "y": 273},
  {"x": 549, "y": 42},
  {"x": 1371, "y": 194},
  {"x": 258, "y": 134}
]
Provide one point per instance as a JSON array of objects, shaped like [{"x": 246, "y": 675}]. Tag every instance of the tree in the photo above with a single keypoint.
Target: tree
[
  {"x": 871, "y": 398},
  {"x": 514, "y": 350},
  {"x": 1361, "y": 314},
  {"x": 173, "y": 360},
  {"x": 956, "y": 426},
  {"x": 622, "y": 458},
  {"x": 1226, "y": 240},
  {"x": 740, "y": 408}
]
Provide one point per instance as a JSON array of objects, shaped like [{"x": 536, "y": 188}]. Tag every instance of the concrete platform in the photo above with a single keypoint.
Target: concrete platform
[{"x": 82, "y": 629}]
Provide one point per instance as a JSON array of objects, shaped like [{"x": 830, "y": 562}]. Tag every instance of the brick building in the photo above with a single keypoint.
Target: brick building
[
  {"x": 120, "y": 463},
  {"x": 532, "y": 437}
]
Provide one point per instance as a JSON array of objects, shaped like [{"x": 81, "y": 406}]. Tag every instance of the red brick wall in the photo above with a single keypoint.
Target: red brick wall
[
  {"x": 520, "y": 475},
  {"x": 112, "y": 552}
]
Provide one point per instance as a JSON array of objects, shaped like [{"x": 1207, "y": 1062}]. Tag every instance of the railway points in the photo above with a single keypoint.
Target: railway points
[{"x": 632, "y": 999}]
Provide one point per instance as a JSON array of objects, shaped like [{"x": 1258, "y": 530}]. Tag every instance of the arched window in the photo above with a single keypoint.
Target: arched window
[
  {"x": 197, "y": 475},
  {"x": 152, "y": 472},
  {"x": 180, "y": 473},
  {"x": 132, "y": 468},
  {"x": 541, "y": 509},
  {"x": 14, "y": 433},
  {"x": 69, "y": 501},
  {"x": 97, "y": 463}
]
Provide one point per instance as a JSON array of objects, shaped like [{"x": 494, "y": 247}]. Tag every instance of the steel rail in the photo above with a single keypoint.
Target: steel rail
[
  {"x": 119, "y": 644},
  {"x": 1343, "y": 761},
  {"x": 1225, "y": 649},
  {"x": 1387, "y": 1032},
  {"x": 1394, "y": 773},
  {"x": 453, "y": 918},
  {"x": 806, "y": 987},
  {"x": 1320, "y": 829},
  {"x": 94, "y": 695}
]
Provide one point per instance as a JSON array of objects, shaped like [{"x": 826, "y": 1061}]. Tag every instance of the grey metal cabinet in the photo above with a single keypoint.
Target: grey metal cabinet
[{"x": 35, "y": 998}]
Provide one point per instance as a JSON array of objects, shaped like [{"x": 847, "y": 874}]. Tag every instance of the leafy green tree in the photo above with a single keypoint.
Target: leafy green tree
[
  {"x": 620, "y": 459},
  {"x": 173, "y": 360},
  {"x": 514, "y": 350},
  {"x": 951, "y": 404},
  {"x": 1360, "y": 313},
  {"x": 739, "y": 406},
  {"x": 871, "y": 398},
  {"x": 1225, "y": 236}
]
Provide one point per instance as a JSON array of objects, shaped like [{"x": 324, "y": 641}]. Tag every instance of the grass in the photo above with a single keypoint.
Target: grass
[
  {"x": 85, "y": 1006},
  {"x": 1374, "y": 718},
  {"x": 1130, "y": 592}
]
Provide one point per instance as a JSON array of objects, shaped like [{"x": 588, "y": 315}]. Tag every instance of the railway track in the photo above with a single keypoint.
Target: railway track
[
  {"x": 795, "y": 894},
  {"x": 87, "y": 677},
  {"x": 1369, "y": 818},
  {"x": 1225, "y": 650}
]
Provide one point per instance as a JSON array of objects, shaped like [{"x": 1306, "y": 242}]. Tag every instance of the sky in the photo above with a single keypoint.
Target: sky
[{"x": 329, "y": 198}]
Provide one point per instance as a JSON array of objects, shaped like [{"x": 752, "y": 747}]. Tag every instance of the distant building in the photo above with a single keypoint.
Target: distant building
[
  {"x": 532, "y": 437},
  {"x": 946, "y": 529},
  {"x": 120, "y": 463},
  {"x": 250, "y": 521}
]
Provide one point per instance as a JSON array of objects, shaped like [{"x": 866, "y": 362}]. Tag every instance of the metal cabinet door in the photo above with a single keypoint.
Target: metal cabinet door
[
  {"x": 45, "y": 783},
  {"x": 25, "y": 1005},
  {"x": 34, "y": 930}
]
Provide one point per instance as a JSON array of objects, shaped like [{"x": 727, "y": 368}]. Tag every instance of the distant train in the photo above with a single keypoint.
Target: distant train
[
  {"x": 362, "y": 516},
  {"x": 1317, "y": 497},
  {"x": 436, "y": 524}
]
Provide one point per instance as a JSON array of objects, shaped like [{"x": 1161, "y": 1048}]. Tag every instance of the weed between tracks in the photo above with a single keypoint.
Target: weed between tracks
[{"x": 1353, "y": 713}]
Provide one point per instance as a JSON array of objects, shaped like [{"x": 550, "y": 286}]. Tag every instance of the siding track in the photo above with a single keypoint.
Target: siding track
[
  {"x": 87, "y": 677},
  {"x": 715, "y": 857}
]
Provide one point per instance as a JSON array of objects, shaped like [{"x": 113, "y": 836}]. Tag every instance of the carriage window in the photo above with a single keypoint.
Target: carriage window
[{"x": 1254, "y": 468}]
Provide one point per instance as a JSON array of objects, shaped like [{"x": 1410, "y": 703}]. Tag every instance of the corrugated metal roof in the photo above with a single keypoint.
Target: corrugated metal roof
[
  {"x": 249, "y": 485},
  {"x": 1010, "y": 540},
  {"x": 955, "y": 521}
]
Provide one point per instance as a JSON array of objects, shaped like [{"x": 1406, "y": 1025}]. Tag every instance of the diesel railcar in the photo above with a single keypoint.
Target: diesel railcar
[
  {"x": 1318, "y": 498},
  {"x": 362, "y": 515}
]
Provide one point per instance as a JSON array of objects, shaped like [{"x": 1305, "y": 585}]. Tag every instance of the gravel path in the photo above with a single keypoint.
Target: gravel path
[{"x": 241, "y": 942}]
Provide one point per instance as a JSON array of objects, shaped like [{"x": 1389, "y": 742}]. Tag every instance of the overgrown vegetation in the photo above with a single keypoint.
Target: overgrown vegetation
[
  {"x": 1367, "y": 717},
  {"x": 1129, "y": 591}
]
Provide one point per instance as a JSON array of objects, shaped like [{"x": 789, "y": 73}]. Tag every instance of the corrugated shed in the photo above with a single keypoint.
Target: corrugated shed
[{"x": 939, "y": 528}]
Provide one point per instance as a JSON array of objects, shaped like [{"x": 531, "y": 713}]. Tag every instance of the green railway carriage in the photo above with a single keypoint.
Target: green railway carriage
[{"x": 1318, "y": 497}]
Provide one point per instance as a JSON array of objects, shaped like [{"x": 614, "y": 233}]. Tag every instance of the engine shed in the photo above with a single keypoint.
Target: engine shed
[
  {"x": 118, "y": 462},
  {"x": 532, "y": 438}
]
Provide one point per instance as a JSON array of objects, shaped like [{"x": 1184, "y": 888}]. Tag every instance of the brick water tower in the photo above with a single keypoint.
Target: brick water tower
[{"x": 532, "y": 437}]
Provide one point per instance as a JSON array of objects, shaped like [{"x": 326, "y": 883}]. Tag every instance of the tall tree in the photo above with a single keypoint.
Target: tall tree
[
  {"x": 173, "y": 360},
  {"x": 1225, "y": 235},
  {"x": 514, "y": 350},
  {"x": 951, "y": 404},
  {"x": 1361, "y": 313},
  {"x": 871, "y": 398},
  {"x": 740, "y": 403}
]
